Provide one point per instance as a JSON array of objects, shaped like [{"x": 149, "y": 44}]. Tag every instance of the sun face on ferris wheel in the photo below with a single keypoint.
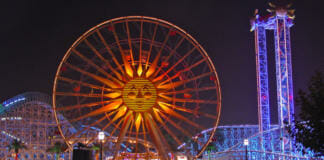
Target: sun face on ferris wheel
[
  {"x": 139, "y": 94},
  {"x": 138, "y": 78}
]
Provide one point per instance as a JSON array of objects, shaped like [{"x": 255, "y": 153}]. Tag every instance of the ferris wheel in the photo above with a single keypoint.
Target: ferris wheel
[{"x": 138, "y": 79}]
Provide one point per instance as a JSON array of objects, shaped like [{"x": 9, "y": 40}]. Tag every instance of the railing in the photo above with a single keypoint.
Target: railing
[{"x": 253, "y": 155}]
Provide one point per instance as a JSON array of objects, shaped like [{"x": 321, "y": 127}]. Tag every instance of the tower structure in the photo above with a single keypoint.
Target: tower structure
[{"x": 279, "y": 20}]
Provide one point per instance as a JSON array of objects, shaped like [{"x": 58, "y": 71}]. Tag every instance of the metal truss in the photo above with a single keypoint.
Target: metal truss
[
  {"x": 284, "y": 76},
  {"x": 280, "y": 24},
  {"x": 229, "y": 144},
  {"x": 29, "y": 118}
]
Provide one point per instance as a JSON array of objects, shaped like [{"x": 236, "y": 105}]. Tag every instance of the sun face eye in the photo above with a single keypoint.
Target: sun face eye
[
  {"x": 145, "y": 87},
  {"x": 133, "y": 87},
  {"x": 147, "y": 95},
  {"x": 131, "y": 95}
]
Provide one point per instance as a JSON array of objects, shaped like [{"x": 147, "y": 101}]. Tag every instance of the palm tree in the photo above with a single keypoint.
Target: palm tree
[
  {"x": 96, "y": 147},
  {"x": 57, "y": 149},
  {"x": 16, "y": 145},
  {"x": 210, "y": 148}
]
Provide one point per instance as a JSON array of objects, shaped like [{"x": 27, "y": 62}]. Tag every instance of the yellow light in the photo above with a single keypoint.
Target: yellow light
[
  {"x": 156, "y": 114},
  {"x": 121, "y": 112},
  {"x": 164, "y": 107},
  {"x": 112, "y": 95},
  {"x": 138, "y": 121},
  {"x": 140, "y": 70}
]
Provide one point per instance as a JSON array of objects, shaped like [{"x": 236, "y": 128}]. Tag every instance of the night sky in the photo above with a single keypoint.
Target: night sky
[{"x": 36, "y": 34}]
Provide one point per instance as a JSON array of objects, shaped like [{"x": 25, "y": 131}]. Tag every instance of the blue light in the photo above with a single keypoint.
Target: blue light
[{"x": 13, "y": 101}]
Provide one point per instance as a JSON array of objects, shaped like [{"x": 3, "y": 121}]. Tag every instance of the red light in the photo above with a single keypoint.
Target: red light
[
  {"x": 264, "y": 97},
  {"x": 104, "y": 66},
  {"x": 165, "y": 64},
  {"x": 110, "y": 28},
  {"x": 212, "y": 78},
  {"x": 128, "y": 58},
  {"x": 77, "y": 89},
  {"x": 173, "y": 33},
  {"x": 187, "y": 95},
  {"x": 290, "y": 97},
  {"x": 63, "y": 68}
]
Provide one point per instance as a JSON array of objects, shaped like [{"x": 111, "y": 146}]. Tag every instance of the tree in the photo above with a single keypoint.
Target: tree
[
  {"x": 96, "y": 147},
  {"x": 309, "y": 130},
  {"x": 16, "y": 145},
  {"x": 57, "y": 149},
  {"x": 209, "y": 149}
]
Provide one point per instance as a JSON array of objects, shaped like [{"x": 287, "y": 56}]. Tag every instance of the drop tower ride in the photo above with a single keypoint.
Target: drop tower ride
[{"x": 279, "y": 20}]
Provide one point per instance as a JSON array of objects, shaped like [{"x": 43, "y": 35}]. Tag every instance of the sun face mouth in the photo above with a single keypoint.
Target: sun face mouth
[
  {"x": 140, "y": 103},
  {"x": 139, "y": 94}
]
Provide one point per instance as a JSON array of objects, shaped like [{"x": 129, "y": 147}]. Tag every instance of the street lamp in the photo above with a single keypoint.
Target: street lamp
[
  {"x": 246, "y": 143},
  {"x": 101, "y": 137}
]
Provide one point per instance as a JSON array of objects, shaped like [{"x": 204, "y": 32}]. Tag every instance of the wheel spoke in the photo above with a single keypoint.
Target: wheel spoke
[
  {"x": 120, "y": 113},
  {"x": 110, "y": 122},
  {"x": 106, "y": 108},
  {"x": 136, "y": 142},
  {"x": 116, "y": 127},
  {"x": 110, "y": 52},
  {"x": 167, "y": 58},
  {"x": 153, "y": 66},
  {"x": 130, "y": 132},
  {"x": 176, "y": 125},
  {"x": 144, "y": 134},
  {"x": 179, "y": 72},
  {"x": 103, "y": 59},
  {"x": 181, "y": 82},
  {"x": 97, "y": 67},
  {"x": 157, "y": 139},
  {"x": 78, "y": 94},
  {"x": 187, "y": 110},
  {"x": 84, "y": 84},
  {"x": 172, "y": 135},
  {"x": 179, "y": 61},
  {"x": 96, "y": 77},
  {"x": 123, "y": 132},
  {"x": 67, "y": 108},
  {"x": 156, "y": 113},
  {"x": 138, "y": 120},
  {"x": 86, "y": 128},
  {"x": 188, "y": 100},
  {"x": 112, "y": 95},
  {"x": 151, "y": 45},
  {"x": 188, "y": 90},
  {"x": 129, "y": 43},
  {"x": 127, "y": 66},
  {"x": 140, "y": 68},
  {"x": 159, "y": 119},
  {"x": 73, "y": 94},
  {"x": 169, "y": 111}
]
